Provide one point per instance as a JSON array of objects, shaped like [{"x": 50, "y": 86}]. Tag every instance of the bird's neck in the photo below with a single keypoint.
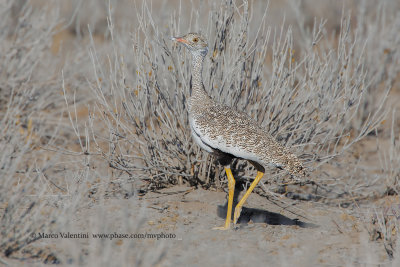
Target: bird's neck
[{"x": 198, "y": 95}]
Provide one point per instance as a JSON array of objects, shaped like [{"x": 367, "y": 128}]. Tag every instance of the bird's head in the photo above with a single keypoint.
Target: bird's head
[{"x": 196, "y": 43}]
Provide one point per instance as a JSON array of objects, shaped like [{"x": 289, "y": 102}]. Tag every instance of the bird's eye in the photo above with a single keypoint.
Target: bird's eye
[{"x": 195, "y": 39}]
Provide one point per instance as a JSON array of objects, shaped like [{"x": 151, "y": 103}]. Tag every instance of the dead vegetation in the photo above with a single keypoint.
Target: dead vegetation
[{"x": 92, "y": 110}]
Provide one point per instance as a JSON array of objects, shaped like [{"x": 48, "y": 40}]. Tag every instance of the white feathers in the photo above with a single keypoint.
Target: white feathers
[{"x": 205, "y": 141}]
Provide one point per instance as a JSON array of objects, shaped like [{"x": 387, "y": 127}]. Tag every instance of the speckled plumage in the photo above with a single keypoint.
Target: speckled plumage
[
  {"x": 228, "y": 133},
  {"x": 219, "y": 127}
]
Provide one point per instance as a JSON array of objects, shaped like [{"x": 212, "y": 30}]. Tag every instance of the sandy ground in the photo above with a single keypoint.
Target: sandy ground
[
  {"x": 268, "y": 233},
  {"x": 303, "y": 234}
]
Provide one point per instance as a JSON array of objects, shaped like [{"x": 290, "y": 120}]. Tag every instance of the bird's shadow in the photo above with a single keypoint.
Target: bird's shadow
[{"x": 260, "y": 216}]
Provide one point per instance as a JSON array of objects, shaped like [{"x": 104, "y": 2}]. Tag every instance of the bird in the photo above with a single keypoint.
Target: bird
[{"x": 229, "y": 134}]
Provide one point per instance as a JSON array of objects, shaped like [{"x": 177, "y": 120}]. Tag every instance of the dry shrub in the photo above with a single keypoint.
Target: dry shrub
[
  {"x": 25, "y": 89},
  {"x": 319, "y": 101}
]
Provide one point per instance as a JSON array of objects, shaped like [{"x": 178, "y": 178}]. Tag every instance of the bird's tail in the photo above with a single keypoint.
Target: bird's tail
[{"x": 295, "y": 167}]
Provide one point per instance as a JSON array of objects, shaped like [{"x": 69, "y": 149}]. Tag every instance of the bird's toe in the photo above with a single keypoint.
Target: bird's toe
[{"x": 222, "y": 228}]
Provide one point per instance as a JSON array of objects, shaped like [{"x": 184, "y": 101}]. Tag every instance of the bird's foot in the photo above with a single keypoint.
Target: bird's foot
[
  {"x": 236, "y": 214},
  {"x": 225, "y": 227},
  {"x": 222, "y": 228}
]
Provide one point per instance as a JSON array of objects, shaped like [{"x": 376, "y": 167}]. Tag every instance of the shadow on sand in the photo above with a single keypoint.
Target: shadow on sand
[{"x": 260, "y": 216}]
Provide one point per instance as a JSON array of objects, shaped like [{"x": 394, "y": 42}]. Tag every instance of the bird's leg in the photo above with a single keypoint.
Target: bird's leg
[
  {"x": 231, "y": 187},
  {"x": 239, "y": 206}
]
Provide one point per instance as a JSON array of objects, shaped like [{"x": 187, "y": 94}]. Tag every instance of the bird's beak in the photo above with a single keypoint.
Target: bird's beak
[{"x": 180, "y": 40}]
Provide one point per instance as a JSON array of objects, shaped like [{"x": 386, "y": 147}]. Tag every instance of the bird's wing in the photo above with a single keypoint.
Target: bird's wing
[{"x": 223, "y": 128}]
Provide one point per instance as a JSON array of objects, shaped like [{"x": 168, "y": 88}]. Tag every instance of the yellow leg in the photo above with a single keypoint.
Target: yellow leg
[
  {"x": 239, "y": 206},
  {"x": 231, "y": 187}
]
